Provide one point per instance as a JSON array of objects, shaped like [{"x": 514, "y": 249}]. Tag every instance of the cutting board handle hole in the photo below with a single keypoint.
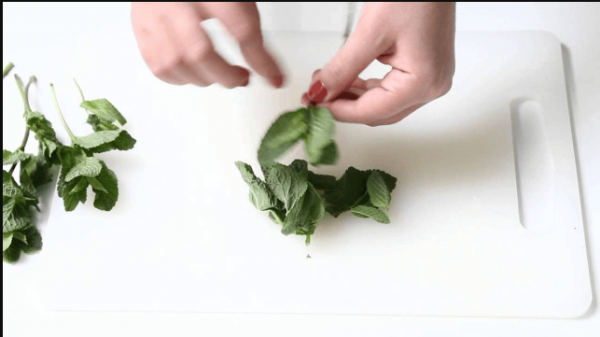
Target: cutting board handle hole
[{"x": 534, "y": 165}]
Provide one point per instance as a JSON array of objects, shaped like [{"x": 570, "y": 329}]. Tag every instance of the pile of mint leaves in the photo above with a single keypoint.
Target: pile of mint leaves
[
  {"x": 297, "y": 198},
  {"x": 77, "y": 163}
]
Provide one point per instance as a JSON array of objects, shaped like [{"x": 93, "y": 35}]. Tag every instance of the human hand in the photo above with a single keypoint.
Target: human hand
[
  {"x": 179, "y": 51},
  {"x": 416, "y": 39}
]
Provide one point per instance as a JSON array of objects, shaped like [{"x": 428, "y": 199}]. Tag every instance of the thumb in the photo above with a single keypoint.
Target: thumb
[{"x": 359, "y": 51}]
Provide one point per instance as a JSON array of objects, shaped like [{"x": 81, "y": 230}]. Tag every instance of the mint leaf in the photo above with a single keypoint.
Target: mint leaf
[
  {"x": 348, "y": 189},
  {"x": 106, "y": 113},
  {"x": 282, "y": 135},
  {"x": 6, "y": 240},
  {"x": 285, "y": 183},
  {"x": 16, "y": 222},
  {"x": 12, "y": 253},
  {"x": 390, "y": 181},
  {"x": 260, "y": 196},
  {"x": 320, "y": 136},
  {"x": 378, "y": 191},
  {"x": 34, "y": 240},
  {"x": 20, "y": 236},
  {"x": 97, "y": 138},
  {"x": 89, "y": 167},
  {"x": 300, "y": 166},
  {"x": 321, "y": 182},
  {"x": 304, "y": 215},
  {"x": 371, "y": 212},
  {"x": 44, "y": 133},
  {"x": 107, "y": 189},
  {"x": 329, "y": 155},
  {"x": 10, "y": 158}
]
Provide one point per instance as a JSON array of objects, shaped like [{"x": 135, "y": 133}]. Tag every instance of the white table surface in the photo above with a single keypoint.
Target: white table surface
[{"x": 575, "y": 24}]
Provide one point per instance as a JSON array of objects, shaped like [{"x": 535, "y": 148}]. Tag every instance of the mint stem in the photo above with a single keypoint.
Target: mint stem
[
  {"x": 7, "y": 69},
  {"x": 62, "y": 118},
  {"x": 22, "y": 148},
  {"x": 25, "y": 94},
  {"x": 80, "y": 91}
]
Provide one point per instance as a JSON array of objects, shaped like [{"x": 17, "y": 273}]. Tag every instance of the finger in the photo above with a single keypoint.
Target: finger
[
  {"x": 397, "y": 93},
  {"x": 362, "y": 47},
  {"x": 242, "y": 21},
  {"x": 203, "y": 64},
  {"x": 395, "y": 119}
]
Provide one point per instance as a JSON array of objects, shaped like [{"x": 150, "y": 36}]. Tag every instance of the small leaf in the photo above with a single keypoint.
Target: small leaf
[
  {"x": 34, "y": 240},
  {"x": 320, "y": 134},
  {"x": 97, "y": 138},
  {"x": 16, "y": 222},
  {"x": 285, "y": 183},
  {"x": 90, "y": 167},
  {"x": 104, "y": 110},
  {"x": 378, "y": 192},
  {"x": 107, "y": 196},
  {"x": 9, "y": 158},
  {"x": 305, "y": 214},
  {"x": 371, "y": 212},
  {"x": 6, "y": 240},
  {"x": 12, "y": 253},
  {"x": 300, "y": 166},
  {"x": 260, "y": 196},
  {"x": 289, "y": 128}
]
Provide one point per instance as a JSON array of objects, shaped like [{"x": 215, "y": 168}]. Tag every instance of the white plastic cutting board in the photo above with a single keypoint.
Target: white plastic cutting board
[{"x": 486, "y": 219}]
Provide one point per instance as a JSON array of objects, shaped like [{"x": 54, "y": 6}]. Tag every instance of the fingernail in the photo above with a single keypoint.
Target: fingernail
[
  {"x": 317, "y": 92},
  {"x": 305, "y": 100},
  {"x": 277, "y": 81}
]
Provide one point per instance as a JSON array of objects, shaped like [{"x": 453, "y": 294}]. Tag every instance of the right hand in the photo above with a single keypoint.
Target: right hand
[{"x": 178, "y": 51}]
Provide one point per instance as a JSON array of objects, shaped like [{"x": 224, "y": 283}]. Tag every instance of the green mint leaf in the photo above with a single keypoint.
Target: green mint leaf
[
  {"x": 12, "y": 253},
  {"x": 348, "y": 189},
  {"x": 390, "y": 181},
  {"x": 107, "y": 189},
  {"x": 277, "y": 215},
  {"x": 89, "y": 167},
  {"x": 9, "y": 158},
  {"x": 20, "y": 236},
  {"x": 371, "y": 212},
  {"x": 300, "y": 166},
  {"x": 304, "y": 215},
  {"x": 97, "y": 138},
  {"x": 105, "y": 111},
  {"x": 44, "y": 133},
  {"x": 260, "y": 196},
  {"x": 74, "y": 191},
  {"x": 38, "y": 171},
  {"x": 285, "y": 183},
  {"x": 282, "y": 135},
  {"x": 364, "y": 200},
  {"x": 15, "y": 222},
  {"x": 72, "y": 199},
  {"x": 322, "y": 182},
  {"x": 329, "y": 155},
  {"x": 320, "y": 134},
  {"x": 6, "y": 240},
  {"x": 34, "y": 240},
  {"x": 10, "y": 188},
  {"x": 378, "y": 191}
]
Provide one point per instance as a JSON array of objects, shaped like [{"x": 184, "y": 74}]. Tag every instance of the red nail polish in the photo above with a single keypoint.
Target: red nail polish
[
  {"x": 317, "y": 92},
  {"x": 277, "y": 81}
]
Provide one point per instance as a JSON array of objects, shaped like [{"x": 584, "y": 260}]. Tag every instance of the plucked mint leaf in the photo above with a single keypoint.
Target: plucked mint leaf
[
  {"x": 321, "y": 182},
  {"x": 108, "y": 194},
  {"x": 277, "y": 215},
  {"x": 305, "y": 214},
  {"x": 329, "y": 155},
  {"x": 10, "y": 158},
  {"x": 6, "y": 240},
  {"x": 390, "y": 181},
  {"x": 321, "y": 129},
  {"x": 282, "y": 135},
  {"x": 96, "y": 139},
  {"x": 285, "y": 183},
  {"x": 300, "y": 166},
  {"x": 34, "y": 240},
  {"x": 260, "y": 196},
  {"x": 348, "y": 189},
  {"x": 89, "y": 167},
  {"x": 105, "y": 111},
  {"x": 371, "y": 212},
  {"x": 378, "y": 191},
  {"x": 364, "y": 200},
  {"x": 12, "y": 253}
]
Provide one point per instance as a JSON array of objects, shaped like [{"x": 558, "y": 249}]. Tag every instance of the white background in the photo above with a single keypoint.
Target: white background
[{"x": 575, "y": 24}]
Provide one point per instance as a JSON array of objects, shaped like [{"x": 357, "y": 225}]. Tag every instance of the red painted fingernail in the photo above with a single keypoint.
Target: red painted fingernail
[
  {"x": 277, "y": 81},
  {"x": 317, "y": 92}
]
